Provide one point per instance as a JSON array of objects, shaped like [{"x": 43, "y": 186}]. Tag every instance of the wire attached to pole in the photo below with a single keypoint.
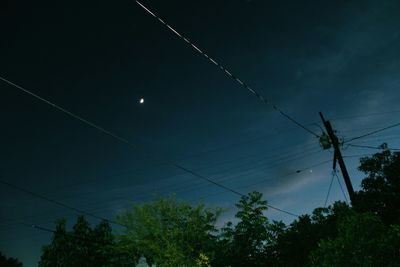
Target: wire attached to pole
[
  {"x": 341, "y": 187},
  {"x": 179, "y": 166},
  {"x": 224, "y": 69},
  {"x": 329, "y": 190},
  {"x": 56, "y": 202},
  {"x": 373, "y": 132}
]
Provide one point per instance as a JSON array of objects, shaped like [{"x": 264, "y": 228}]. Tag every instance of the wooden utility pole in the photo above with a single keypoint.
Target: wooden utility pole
[{"x": 338, "y": 157}]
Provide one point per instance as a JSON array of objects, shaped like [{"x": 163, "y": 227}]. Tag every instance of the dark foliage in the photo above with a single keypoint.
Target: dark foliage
[
  {"x": 246, "y": 243},
  {"x": 294, "y": 245},
  {"x": 362, "y": 240},
  {"x": 9, "y": 262},
  {"x": 84, "y": 247},
  {"x": 380, "y": 192},
  {"x": 367, "y": 234}
]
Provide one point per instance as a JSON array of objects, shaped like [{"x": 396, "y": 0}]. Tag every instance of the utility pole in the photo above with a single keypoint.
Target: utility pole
[{"x": 338, "y": 156}]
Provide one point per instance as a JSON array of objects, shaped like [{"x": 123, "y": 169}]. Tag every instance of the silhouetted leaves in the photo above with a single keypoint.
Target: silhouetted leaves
[
  {"x": 245, "y": 244},
  {"x": 84, "y": 247},
  {"x": 362, "y": 241},
  {"x": 380, "y": 189},
  {"x": 9, "y": 262}
]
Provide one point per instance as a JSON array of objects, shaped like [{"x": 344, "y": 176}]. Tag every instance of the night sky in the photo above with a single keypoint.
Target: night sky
[{"x": 98, "y": 58}]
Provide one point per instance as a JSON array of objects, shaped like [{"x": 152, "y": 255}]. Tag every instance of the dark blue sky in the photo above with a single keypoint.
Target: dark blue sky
[{"x": 98, "y": 58}]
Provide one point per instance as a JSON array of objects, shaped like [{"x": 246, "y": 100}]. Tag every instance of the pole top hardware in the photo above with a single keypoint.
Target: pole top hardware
[{"x": 324, "y": 141}]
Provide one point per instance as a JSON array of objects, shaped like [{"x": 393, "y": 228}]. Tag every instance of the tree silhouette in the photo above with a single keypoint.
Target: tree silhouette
[
  {"x": 84, "y": 247},
  {"x": 245, "y": 244},
  {"x": 380, "y": 189},
  {"x": 295, "y": 243},
  {"x": 9, "y": 262},
  {"x": 362, "y": 241}
]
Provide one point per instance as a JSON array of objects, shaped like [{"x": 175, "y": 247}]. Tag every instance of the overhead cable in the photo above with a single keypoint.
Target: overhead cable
[
  {"x": 329, "y": 189},
  {"x": 365, "y": 115},
  {"x": 61, "y": 204},
  {"x": 225, "y": 70},
  {"x": 372, "y": 147},
  {"x": 69, "y": 113},
  {"x": 373, "y": 132},
  {"x": 45, "y": 229},
  {"x": 341, "y": 187},
  {"x": 208, "y": 195},
  {"x": 109, "y": 133}
]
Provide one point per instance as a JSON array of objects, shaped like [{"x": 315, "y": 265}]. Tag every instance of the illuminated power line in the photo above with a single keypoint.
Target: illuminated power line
[
  {"x": 146, "y": 197},
  {"x": 373, "y": 132},
  {"x": 263, "y": 156},
  {"x": 379, "y": 139},
  {"x": 58, "y": 203},
  {"x": 246, "y": 186},
  {"x": 340, "y": 184},
  {"x": 365, "y": 115},
  {"x": 236, "y": 171},
  {"x": 329, "y": 190},
  {"x": 281, "y": 176},
  {"x": 69, "y": 113},
  {"x": 358, "y": 155},
  {"x": 225, "y": 70},
  {"x": 74, "y": 236},
  {"x": 109, "y": 133},
  {"x": 372, "y": 147},
  {"x": 126, "y": 198},
  {"x": 188, "y": 188}
]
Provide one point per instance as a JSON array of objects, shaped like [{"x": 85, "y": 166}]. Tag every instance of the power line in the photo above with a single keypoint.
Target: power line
[
  {"x": 378, "y": 139},
  {"x": 360, "y": 129},
  {"x": 232, "y": 190},
  {"x": 231, "y": 146},
  {"x": 264, "y": 181},
  {"x": 241, "y": 165},
  {"x": 289, "y": 174},
  {"x": 185, "y": 189},
  {"x": 365, "y": 115},
  {"x": 225, "y": 70},
  {"x": 209, "y": 195},
  {"x": 340, "y": 184},
  {"x": 93, "y": 125},
  {"x": 61, "y": 204},
  {"x": 285, "y": 156},
  {"x": 278, "y": 177},
  {"x": 69, "y": 113},
  {"x": 371, "y": 147},
  {"x": 69, "y": 234},
  {"x": 245, "y": 186},
  {"x": 80, "y": 211},
  {"x": 329, "y": 190},
  {"x": 190, "y": 186},
  {"x": 50, "y": 214},
  {"x": 358, "y": 156},
  {"x": 197, "y": 187},
  {"x": 246, "y": 142},
  {"x": 237, "y": 164},
  {"x": 373, "y": 132},
  {"x": 48, "y": 230}
]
